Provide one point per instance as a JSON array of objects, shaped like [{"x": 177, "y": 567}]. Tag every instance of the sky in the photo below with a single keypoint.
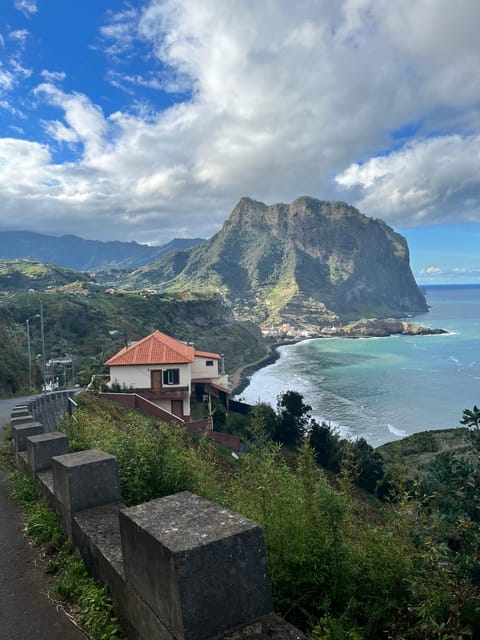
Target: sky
[{"x": 146, "y": 121}]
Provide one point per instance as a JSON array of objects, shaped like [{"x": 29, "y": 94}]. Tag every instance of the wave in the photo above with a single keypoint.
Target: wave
[
  {"x": 342, "y": 430},
  {"x": 396, "y": 432}
]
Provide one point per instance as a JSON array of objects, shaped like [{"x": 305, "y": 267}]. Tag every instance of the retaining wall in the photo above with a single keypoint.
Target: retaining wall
[
  {"x": 50, "y": 408},
  {"x": 178, "y": 568}
]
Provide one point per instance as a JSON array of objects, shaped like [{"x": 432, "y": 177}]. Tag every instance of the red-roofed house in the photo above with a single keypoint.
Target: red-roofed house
[{"x": 167, "y": 372}]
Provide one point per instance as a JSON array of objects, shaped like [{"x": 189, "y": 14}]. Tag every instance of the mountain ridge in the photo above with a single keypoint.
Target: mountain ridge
[
  {"x": 312, "y": 261},
  {"x": 73, "y": 252}
]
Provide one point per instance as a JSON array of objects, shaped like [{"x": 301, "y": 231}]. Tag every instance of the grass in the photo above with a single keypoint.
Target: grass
[
  {"x": 419, "y": 449},
  {"x": 69, "y": 577}
]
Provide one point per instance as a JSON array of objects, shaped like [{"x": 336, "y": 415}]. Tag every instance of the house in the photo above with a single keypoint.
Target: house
[{"x": 169, "y": 373}]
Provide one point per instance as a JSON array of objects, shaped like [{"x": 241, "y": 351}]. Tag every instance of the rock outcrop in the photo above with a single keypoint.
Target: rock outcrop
[
  {"x": 381, "y": 328},
  {"x": 311, "y": 261}
]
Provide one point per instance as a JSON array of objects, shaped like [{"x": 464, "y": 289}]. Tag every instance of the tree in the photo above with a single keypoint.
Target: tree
[
  {"x": 327, "y": 446},
  {"x": 471, "y": 418},
  {"x": 368, "y": 465},
  {"x": 262, "y": 422},
  {"x": 293, "y": 419}
]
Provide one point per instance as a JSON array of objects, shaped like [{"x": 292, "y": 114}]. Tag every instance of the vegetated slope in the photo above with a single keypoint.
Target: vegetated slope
[
  {"x": 419, "y": 450},
  {"x": 20, "y": 275},
  {"x": 342, "y": 564},
  {"x": 85, "y": 255},
  {"x": 94, "y": 326},
  {"x": 310, "y": 260}
]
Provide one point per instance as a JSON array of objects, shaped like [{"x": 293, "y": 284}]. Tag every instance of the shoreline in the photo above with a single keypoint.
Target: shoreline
[{"x": 241, "y": 376}]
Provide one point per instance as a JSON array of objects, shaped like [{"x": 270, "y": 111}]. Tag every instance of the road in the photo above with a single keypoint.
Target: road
[{"x": 25, "y": 611}]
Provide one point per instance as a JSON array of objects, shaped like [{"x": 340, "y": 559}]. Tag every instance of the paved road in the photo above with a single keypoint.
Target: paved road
[{"x": 25, "y": 611}]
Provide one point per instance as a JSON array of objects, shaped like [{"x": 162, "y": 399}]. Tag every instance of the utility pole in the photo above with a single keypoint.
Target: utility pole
[
  {"x": 27, "y": 321},
  {"x": 43, "y": 348}
]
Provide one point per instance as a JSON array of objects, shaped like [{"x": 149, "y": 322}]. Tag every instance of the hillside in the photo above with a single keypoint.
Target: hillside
[
  {"x": 311, "y": 261},
  {"x": 91, "y": 327},
  {"x": 21, "y": 275},
  {"x": 419, "y": 450},
  {"x": 85, "y": 255}
]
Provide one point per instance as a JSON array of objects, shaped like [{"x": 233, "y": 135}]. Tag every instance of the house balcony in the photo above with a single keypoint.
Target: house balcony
[{"x": 177, "y": 393}]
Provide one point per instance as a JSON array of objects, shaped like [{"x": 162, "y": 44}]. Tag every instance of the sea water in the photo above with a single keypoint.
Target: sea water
[{"x": 383, "y": 389}]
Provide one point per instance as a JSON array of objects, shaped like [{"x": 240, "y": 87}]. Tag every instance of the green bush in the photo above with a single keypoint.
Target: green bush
[{"x": 339, "y": 565}]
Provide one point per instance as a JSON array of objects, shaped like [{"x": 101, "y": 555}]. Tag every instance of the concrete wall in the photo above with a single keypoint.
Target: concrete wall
[
  {"x": 50, "y": 408},
  {"x": 178, "y": 568},
  {"x": 200, "y": 369}
]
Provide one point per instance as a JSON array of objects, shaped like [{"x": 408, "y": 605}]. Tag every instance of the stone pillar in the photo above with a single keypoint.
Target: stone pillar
[
  {"x": 42, "y": 448},
  {"x": 23, "y": 431},
  {"x": 201, "y": 568},
  {"x": 18, "y": 421},
  {"x": 20, "y": 411},
  {"x": 82, "y": 480},
  {"x": 20, "y": 433}
]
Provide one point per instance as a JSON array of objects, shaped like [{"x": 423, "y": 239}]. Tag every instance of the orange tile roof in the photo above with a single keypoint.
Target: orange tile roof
[
  {"x": 206, "y": 354},
  {"x": 157, "y": 348}
]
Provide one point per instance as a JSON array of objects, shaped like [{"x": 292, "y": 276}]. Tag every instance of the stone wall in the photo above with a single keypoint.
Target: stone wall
[
  {"x": 49, "y": 408},
  {"x": 178, "y": 568}
]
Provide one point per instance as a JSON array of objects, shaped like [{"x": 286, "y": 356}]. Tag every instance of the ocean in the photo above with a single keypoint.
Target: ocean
[{"x": 384, "y": 389}]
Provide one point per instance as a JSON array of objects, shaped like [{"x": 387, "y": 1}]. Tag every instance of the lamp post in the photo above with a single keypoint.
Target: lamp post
[
  {"x": 43, "y": 349},
  {"x": 27, "y": 321}
]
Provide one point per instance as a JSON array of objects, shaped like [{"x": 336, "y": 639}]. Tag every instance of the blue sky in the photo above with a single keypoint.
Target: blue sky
[{"x": 149, "y": 120}]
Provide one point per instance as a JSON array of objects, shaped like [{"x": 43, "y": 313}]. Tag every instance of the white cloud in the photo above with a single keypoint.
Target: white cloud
[
  {"x": 283, "y": 97},
  {"x": 19, "y": 35},
  {"x": 27, "y": 7},
  {"x": 430, "y": 181},
  {"x": 85, "y": 119},
  {"x": 457, "y": 274},
  {"x": 120, "y": 32},
  {"x": 53, "y": 76},
  {"x": 59, "y": 132},
  {"x": 7, "y": 80}
]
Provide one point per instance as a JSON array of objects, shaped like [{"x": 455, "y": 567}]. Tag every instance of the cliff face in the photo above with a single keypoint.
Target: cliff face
[{"x": 310, "y": 260}]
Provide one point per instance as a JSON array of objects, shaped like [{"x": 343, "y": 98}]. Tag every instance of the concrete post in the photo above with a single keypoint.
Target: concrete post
[
  {"x": 82, "y": 480},
  {"x": 42, "y": 448},
  {"x": 20, "y": 411},
  {"x": 19, "y": 421},
  {"x": 201, "y": 568},
  {"x": 23, "y": 431}
]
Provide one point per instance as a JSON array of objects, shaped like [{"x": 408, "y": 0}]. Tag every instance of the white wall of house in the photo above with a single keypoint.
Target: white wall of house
[
  {"x": 200, "y": 369},
  {"x": 138, "y": 376},
  {"x": 166, "y": 405}
]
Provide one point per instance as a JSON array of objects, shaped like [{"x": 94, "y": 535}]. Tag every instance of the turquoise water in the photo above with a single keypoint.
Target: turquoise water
[{"x": 386, "y": 388}]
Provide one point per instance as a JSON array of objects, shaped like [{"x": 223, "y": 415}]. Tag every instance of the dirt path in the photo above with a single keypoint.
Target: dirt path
[{"x": 25, "y": 611}]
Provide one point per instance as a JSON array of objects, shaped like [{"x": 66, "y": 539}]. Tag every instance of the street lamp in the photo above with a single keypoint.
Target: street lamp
[
  {"x": 27, "y": 321},
  {"x": 43, "y": 349}
]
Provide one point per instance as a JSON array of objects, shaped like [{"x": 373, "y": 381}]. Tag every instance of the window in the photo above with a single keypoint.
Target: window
[
  {"x": 209, "y": 363},
  {"x": 171, "y": 376}
]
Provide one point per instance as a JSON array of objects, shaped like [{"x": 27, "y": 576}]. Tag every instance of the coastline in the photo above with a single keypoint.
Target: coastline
[{"x": 241, "y": 377}]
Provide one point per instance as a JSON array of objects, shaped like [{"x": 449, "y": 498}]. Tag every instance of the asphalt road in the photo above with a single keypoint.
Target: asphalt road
[{"x": 25, "y": 611}]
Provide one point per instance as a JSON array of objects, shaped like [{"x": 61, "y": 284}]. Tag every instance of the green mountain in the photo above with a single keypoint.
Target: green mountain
[
  {"x": 20, "y": 275},
  {"x": 311, "y": 261},
  {"x": 85, "y": 255}
]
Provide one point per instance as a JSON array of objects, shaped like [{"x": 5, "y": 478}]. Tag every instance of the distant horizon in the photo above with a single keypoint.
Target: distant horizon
[{"x": 449, "y": 285}]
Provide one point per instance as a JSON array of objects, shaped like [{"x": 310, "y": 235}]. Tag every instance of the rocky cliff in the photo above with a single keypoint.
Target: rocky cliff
[{"x": 310, "y": 261}]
